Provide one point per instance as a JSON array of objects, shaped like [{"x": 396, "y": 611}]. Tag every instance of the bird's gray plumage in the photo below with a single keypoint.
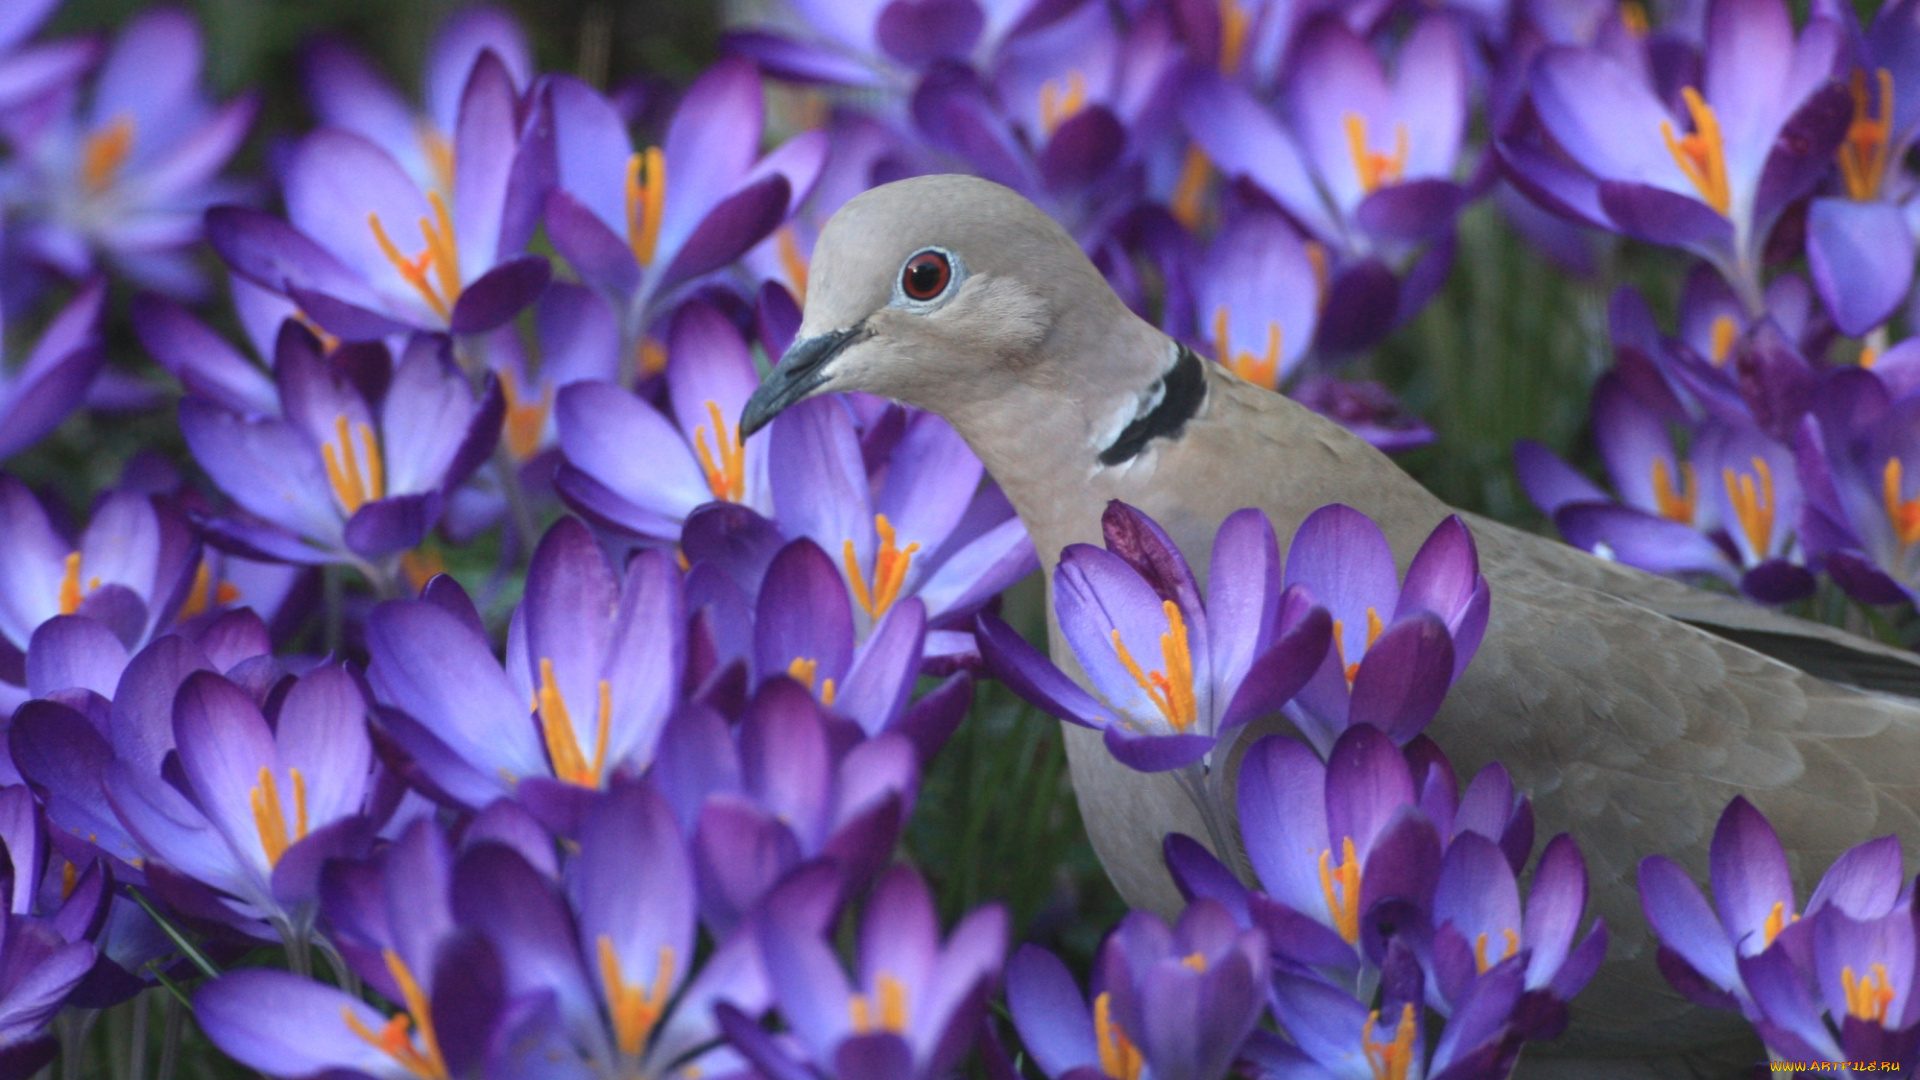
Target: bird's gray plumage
[{"x": 1631, "y": 709}]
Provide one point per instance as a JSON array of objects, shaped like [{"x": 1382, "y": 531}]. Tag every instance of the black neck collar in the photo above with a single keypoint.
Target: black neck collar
[{"x": 1181, "y": 390}]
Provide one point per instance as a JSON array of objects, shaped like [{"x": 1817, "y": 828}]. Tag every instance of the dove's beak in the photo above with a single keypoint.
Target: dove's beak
[{"x": 800, "y": 372}]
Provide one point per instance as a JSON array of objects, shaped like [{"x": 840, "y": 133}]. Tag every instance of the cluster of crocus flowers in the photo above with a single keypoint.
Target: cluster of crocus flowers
[{"x": 1830, "y": 981}]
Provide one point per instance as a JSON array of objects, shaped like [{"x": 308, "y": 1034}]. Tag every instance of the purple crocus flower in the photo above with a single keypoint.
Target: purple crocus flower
[
  {"x": 873, "y": 43},
  {"x": 1364, "y": 162},
  {"x": 638, "y": 225},
  {"x": 1257, "y": 297},
  {"x": 1713, "y": 181},
  {"x": 912, "y": 1009},
  {"x": 357, "y": 465},
  {"x": 591, "y": 674},
  {"x": 1705, "y": 951},
  {"x": 1165, "y": 1002},
  {"x": 347, "y": 92},
  {"x": 131, "y": 570},
  {"x": 53, "y": 379},
  {"x": 129, "y": 175},
  {"x": 43, "y": 960},
  {"x": 632, "y": 470},
  {"x": 1397, "y": 645},
  {"x": 784, "y": 785},
  {"x": 1868, "y": 454},
  {"x": 1844, "y": 991},
  {"x": 1242, "y": 653},
  {"x": 396, "y": 928},
  {"x": 260, "y": 805},
  {"x": 347, "y": 254}
]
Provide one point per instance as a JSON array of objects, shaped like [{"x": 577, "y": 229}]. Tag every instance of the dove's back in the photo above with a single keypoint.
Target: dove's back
[{"x": 1625, "y": 705}]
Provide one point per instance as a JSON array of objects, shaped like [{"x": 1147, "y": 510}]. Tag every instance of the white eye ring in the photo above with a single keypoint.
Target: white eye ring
[{"x": 927, "y": 278}]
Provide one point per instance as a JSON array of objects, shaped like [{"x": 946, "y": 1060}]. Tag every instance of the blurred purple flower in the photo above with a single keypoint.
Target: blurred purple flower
[
  {"x": 53, "y": 379},
  {"x": 31, "y": 72},
  {"x": 1705, "y": 952},
  {"x": 1164, "y": 1003},
  {"x": 1242, "y": 653},
  {"x": 914, "y": 1007},
  {"x": 1860, "y": 471},
  {"x": 1715, "y": 182},
  {"x": 592, "y": 672},
  {"x": 345, "y": 256},
  {"x": 637, "y": 225},
  {"x": 129, "y": 175},
  {"x": 346, "y": 91},
  {"x": 44, "y": 960},
  {"x": 358, "y": 462},
  {"x": 1397, "y": 645},
  {"x": 882, "y": 44}
]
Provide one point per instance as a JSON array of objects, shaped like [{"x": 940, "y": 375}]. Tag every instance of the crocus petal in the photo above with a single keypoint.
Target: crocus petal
[{"x": 1861, "y": 256}]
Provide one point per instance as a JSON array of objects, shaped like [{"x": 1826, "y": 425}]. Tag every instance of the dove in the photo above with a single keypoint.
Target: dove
[{"x": 1630, "y": 708}]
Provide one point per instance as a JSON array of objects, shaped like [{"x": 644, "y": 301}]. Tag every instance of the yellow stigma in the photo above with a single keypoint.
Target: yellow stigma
[
  {"x": 804, "y": 669},
  {"x": 1341, "y": 887},
  {"x": 1863, "y": 153},
  {"x": 1060, "y": 100},
  {"x": 354, "y": 485},
  {"x": 646, "y": 202},
  {"x": 1903, "y": 513},
  {"x": 1374, "y": 626},
  {"x": 204, "y": 595},
  {"x": 1480, "y": 962},
  {"x": 1190, "y": 191},
  {"x": 1171, "y": 690},
  {"x": 652, "y": 356},
  {"x": 104, "y": 153},
  {"x": 270, "y": 818},
  {"x": 526, "y": 421},
  {"x": 570, "y": 762},
  {"x": 1389, "y": 1060},
  {"x": 1196, "y": 961},
  {"x": 1374, "y": 169},
  {"x": 1119, "y": 1058},
  {"x": 890, "y": 566},
  {"x": 420, "y": 1059},
  {"x": 1777, "y": 920},
  {"x": 635, "y": 1011},
  {"x": 726, "y": 464},
  {"x": 883, "y": 1010},
  {"x": 441, "y": 256},
  {"x": 1868, "y": 998},
  {"x": 1675, "y": 505},
  {"x": 1722, "y": 335},
  {"x": 1236, "y": 24},
  {"x": 1259, "y": 370},
  {"x": 794, "y": 264},
  {"x": 1753, "y": 504},
  {"x": 1868, "y": 356},
  {"x": 1701, "y": 155},
  {"x": 71, "y": 594}
]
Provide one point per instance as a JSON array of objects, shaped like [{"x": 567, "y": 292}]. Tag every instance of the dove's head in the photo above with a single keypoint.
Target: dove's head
[{"x": 943, "y": 292}]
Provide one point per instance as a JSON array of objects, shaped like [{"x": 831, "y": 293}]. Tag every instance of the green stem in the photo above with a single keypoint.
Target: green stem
[
  {"x": 170, "y": 1039},
  {"x": 519, "y": 509},
  {"x": 137, "y": 1040}
]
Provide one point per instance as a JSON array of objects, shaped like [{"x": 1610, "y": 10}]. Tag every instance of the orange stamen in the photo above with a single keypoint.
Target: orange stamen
[
  {"x": 1190, "y": 191},
  {"x": 353, "y": 488},
  {"x": 1753, "y": 506},
  {"x": 1863, "y": 154},
  {"x": 1341, "y": 887},
  {"x": 270, "y": 818},
  {"x": 646, "y": 202},
  {"x": 570, "y": 763},
  {"x": 1374, "y": 626},
  {"x": 1390, "y": 1060},
  {"x": 890, "y": 565},
  {"x": 804, "y": 670},
  {"x": 1375, "y": 170},
  {"x": 104, "y": 153},
  {"x": 1903, "y": 513},
  {"x": 890, "y": 994},
  {"x": 1119, "y": 1058},
  {"x": 1236, "y": 23},
  {"x": 1777, "y": 920},
  {"x": 726, "y": 464},
  {"x": 1675, "y": 505},
  {"x": 1170, "y": 690},
  {"x": 1701, "y": 155},
  {"x": 70, "y": 592},
  {"x": 1259, "y": 370},
  {"x": 1869, "y": 998},
  {"x": 1061, "y": 100},
  {"x": 635, "y": 1011},
  {"x": 441, "y": 256},
  {"x": 526, "y": 421},
  {"x": 652, "y": 356},
  {"x": 423, "y": 1059},
  {"x": 422, "y": 565},
  {"x": 1480, "y": 948},
  {"x": 1724, "y": 331},
  {"x": 1633, "y": 16},
  {"x": 792, "y": 262}
]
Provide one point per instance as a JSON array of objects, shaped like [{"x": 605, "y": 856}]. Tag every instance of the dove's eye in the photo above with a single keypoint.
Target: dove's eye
[{"x": 926, "y": 275}]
